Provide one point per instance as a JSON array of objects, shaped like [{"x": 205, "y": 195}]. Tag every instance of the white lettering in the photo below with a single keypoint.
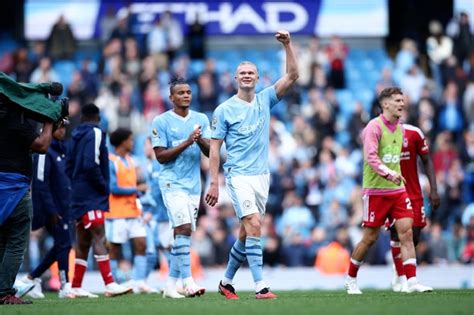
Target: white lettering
[
  {"x": 229, "y": 16},
  {"x": 243, "y": 15},
  {"x": 389, "y": 158},
  {"x": 273, "y": 11}
]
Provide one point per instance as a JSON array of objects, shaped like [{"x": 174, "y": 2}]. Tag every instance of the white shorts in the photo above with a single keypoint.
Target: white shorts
[
  {"x": 182, "y": 207},
  {"x": 119, "y": 231},
  {"x": 249, "y": 194}
]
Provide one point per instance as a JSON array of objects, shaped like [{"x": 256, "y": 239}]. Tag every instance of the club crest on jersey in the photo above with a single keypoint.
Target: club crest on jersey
[
  {"x": 405, "y": 142},
  {"x": 247, "y": 204},
  {"x": 372, "y": 217}
]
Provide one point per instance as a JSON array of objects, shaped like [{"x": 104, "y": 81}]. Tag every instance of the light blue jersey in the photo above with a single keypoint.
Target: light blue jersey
[
  {"x": 245, "y": 128},
  {"x": 168, "y": 131}
]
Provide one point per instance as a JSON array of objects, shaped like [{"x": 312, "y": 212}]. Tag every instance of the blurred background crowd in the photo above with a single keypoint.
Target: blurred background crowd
[{"x": 314, "y": 211}]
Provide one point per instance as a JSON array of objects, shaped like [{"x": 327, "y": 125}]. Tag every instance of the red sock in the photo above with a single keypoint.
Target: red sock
[
  {"x": 104, "y": 266},
  {"x": 80, "y": 267},
  {"x": 410, "y": 267},
  {"x": 354, "y": 267},
  {"x": 397, "y": 258}
]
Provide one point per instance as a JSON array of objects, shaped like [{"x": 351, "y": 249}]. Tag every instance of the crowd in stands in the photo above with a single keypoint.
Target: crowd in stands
[{"x": 315, "y": 203}]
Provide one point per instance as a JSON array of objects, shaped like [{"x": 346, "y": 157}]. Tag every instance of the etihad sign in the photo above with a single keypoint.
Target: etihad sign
[{"x": 263, "y": 17}]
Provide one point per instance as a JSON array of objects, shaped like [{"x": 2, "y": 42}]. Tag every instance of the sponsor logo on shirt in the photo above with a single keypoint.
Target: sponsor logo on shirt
[
  {"x": 214, "y": 123},
  {"x": 391, "y": 158},
  {"x": 405, "y": 156},
  {"x": 251, "y": 128}
]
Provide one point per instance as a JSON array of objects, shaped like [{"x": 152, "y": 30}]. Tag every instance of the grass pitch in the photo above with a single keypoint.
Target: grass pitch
[{"x": 288, "y": 303}]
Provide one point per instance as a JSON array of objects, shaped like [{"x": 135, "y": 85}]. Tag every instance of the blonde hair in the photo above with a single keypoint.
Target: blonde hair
[{"x": 246, "y": 62}]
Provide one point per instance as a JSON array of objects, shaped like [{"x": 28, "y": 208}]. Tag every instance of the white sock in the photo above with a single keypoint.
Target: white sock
[
  {"x": 188, "y": 281},
  {"x": 226, "y": 281},
  {"x": 171, "y": 282},
  {"x": 260, "y": 285},
  {"x": 412, "y": 281}
]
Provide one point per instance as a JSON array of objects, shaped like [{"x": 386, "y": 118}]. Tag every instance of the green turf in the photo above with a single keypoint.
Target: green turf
[{"x": 288, "y": 303}]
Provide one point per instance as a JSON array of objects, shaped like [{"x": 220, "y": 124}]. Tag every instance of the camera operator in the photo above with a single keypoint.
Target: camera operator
[{"x": 18, "y": 139}]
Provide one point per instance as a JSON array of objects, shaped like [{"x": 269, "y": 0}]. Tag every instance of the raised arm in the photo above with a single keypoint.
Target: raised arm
[
  {"x": 212, "y": 196},
  {"x": 289, "y": 78}
]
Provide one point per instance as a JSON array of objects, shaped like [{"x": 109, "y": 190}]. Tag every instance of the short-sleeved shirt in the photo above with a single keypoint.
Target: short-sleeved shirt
[
  {"x": 170, "y": 130},
  {"x": 414, "y": 144},
  {"x": 245, "y": 129},
  {"x": 16, "y": 136}
]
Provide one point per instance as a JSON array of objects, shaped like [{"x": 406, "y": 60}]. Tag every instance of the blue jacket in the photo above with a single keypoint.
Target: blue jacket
[
  {"x": 88, "y": 168},
  {"x": 51, "y": 188}
]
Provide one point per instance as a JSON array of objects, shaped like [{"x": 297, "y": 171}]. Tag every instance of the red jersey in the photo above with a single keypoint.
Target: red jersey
[{"x": 414, "y": 144}]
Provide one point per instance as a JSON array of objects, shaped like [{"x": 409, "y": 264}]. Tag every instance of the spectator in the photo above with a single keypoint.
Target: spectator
[
  {"x": 22, "y": 65},
  {"x": 450, "y": 116},
  {"x": 89, "y": 79},
  {"x": 333, "y": 217},
  {"x": 153, "y": 100},
  {"x": 412, "y": 83},
  {"x": 157, "y": 44},
  {"x": 107, "y": 24},
  {"x": 173, "y": 34},
  {"x": 121, "y": 31},
  {"x": 468, "y": 102},
  {"x": 294, "y": 227},
  {"x": 38, "y": 51},
  {"x": 405, "y": 58},
  {"x": 132, "y": 62},
  {"x": 460, "y": 32},
  {"x": 61, "y": 43},
  {"x": 308, "y": 57},
  {"x": 220, "y": 246},
  {"x": 197, "y": 39},
  {"x": 207, "y": 93},
  {"x": 337, "y": 52},
  {"x": 439, "y": 48},
  {"x": 456, "y": 242},
  {"x": 44, "y": 72},
  {"x": 76, "y": 88},
  {"x": 444, "y": 154},
  {"x": 438, "y": 245},
  {"x": 467, "y": 159}
]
